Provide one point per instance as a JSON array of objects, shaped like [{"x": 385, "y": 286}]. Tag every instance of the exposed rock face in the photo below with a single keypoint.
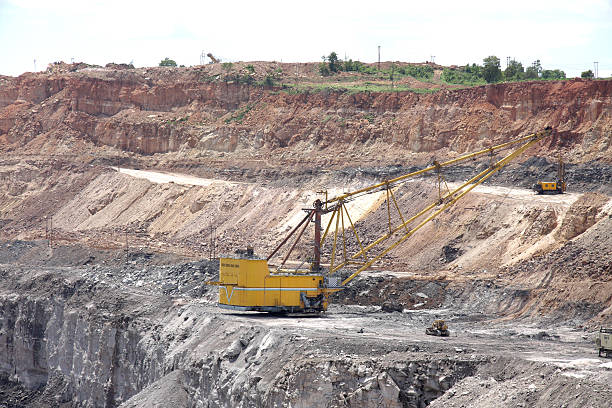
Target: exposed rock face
[
  {"x": 82, "y": 343},
  {"x": 155, "y": 110},
  {"x": 582, "y": 215},
  {"x": 98, "y": 362},
  {"x": 95, "y": 358}
]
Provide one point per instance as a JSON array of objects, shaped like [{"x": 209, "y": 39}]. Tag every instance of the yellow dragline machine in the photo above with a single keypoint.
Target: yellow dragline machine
[{"x": 248, "y": 283}]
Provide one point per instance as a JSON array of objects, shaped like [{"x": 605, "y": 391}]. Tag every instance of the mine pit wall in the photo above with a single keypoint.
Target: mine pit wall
[
  {"x": 113, "y": 110},
  {"x": 97, "y": 363},
  {"x": 101, "y": 360}
]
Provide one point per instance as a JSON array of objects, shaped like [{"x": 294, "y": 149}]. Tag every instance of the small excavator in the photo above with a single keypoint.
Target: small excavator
[
  {"x": 438, "y": 328},
  {"x": 249, "y": 283},
  {"x": 553, "y": 187},
  {"x": 213, "y": 59}
]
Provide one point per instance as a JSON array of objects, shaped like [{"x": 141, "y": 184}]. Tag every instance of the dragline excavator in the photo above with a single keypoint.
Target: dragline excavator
[{"x": 248, "y": 283}]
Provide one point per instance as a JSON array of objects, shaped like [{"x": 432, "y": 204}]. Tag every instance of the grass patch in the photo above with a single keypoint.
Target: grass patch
[
  {"x": 176, "y": 121},
  {"x": 358, "y": 88},
  {"x": 369, "y": 117},
  {"x": 239, "y": 115}
]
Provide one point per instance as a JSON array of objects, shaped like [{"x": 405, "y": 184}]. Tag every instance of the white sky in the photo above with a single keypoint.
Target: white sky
[{"x": 568, "y": 35}]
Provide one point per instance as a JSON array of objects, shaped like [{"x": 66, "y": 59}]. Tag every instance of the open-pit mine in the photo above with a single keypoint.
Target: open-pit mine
[{"x": 129, "y": 196}]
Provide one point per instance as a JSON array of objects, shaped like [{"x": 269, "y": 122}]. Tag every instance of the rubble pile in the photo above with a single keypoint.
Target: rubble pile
[{"x": 171, "y": 280}]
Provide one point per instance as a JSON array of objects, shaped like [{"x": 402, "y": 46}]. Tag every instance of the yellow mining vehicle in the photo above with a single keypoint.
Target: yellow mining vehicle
[
  {"x": 438, "y": 328},
  {"x": 603, "y": 340},
  {"x": 249, "y": 283},
  {"x": 553, "y": 187}
]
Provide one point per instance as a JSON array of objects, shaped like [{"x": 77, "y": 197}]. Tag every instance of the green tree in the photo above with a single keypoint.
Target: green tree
[
  {"x": 468, "y": 75},
  {"x": 514, "y": 71},
  {"x": 534, "y": 71},
  {"x": 323, "y": 69},
  {"x": 333, "y": 62},
  {"x": 587, "y": 74},
  {"x": 417, "y": 71},
  {"x": 491, "y": 71},
  {"x": 473, "y": 69},
  {"x": 167, "y": 62},
  {"x": 553, "y": 74},
  {"x": 348, "y": 65}
]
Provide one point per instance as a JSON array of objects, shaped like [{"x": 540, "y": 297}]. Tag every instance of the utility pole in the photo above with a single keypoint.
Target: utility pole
[
  {"x": 202, "y": 58},
  {"x": 596, "y": 64},
  {"x": 316, "y": 265},
  {"x": 379, "y": 57},
  {"x": 34, "y": 64},
  {"x": 212, "y": 250},
  {"x": 433, "y": 59}
]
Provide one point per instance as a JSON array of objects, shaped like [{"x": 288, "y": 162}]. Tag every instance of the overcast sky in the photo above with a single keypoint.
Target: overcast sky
[{"x": 568, "y": 35}]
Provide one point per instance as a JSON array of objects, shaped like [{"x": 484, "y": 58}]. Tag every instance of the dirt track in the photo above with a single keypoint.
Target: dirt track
[{"x": 505, "y": 192}]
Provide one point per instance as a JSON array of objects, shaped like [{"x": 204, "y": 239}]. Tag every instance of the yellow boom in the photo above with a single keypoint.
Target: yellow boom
[{"x": 248, "y": 283}]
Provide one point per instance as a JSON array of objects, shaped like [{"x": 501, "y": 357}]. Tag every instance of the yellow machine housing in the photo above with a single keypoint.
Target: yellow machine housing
[
  {"x": 603, "y": 339},
  {"x": 247, "y": 284},
  {"x": 553, "y": 187},
  {"x": 544, "y": 187}
]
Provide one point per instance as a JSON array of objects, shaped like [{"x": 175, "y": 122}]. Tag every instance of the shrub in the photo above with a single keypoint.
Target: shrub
[
  {"x": 270, "y": 79},
  {"x": 417, "y": 71},
  {"x": 468, "y": 75},
  {"x": 553, "y": 74},
  {"x": 324, "y": 69},
  {"x": 167, "y": 62}
]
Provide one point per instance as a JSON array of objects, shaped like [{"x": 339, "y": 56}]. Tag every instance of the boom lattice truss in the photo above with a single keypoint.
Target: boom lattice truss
[{"x": 341, "y": 227}]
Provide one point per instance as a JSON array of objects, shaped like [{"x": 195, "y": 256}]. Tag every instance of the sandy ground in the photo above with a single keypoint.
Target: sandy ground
[
  {"x": 363, "y": 204},
  {"x": 358, "y": 208},
  {"x": 163, "y": 177}
]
